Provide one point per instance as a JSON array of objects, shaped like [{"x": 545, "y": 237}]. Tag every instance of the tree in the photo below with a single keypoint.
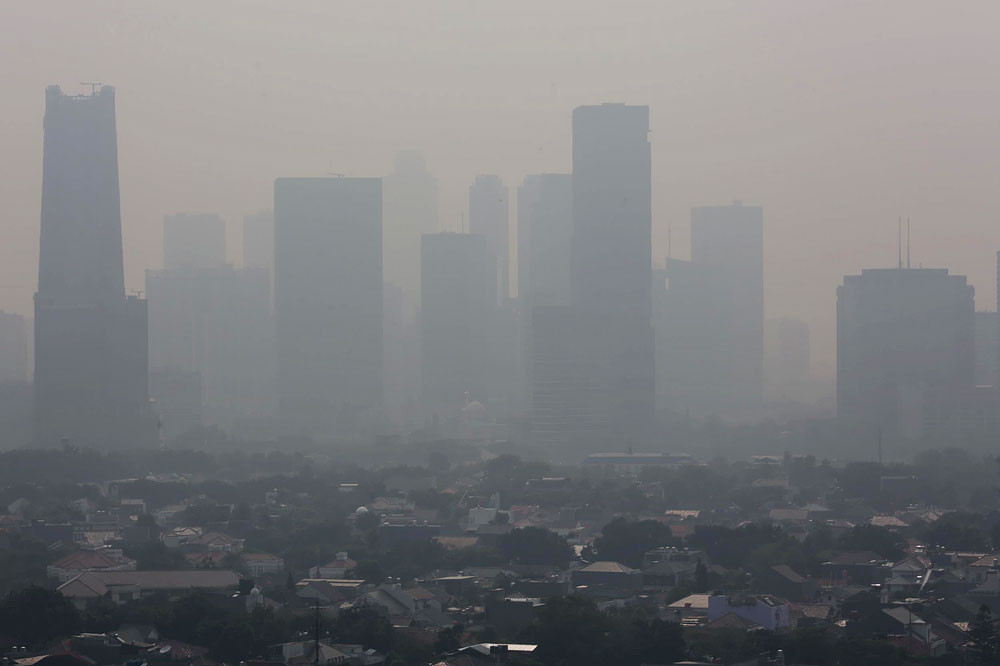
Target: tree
[
  {"x": 363, "y": 626},
  {"x": 984, "y": 633},
  {"x": 34, "y": 616},
  {"x": 449, "y": 639},
  {"x": 627, "y": 541},
  {"x": 569, "y": 631},
  {"x": 535, "y": 545},
  {"x": 700, "y": 577},
  {"x": 880, "y": 540},
  {"x": 369, "y": 571}
]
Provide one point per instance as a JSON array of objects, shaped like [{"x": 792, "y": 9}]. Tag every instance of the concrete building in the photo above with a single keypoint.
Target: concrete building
[
  {"x": 786, "y": 367},
  {"x": 258, "y": 244},
  {"x": 902, "y": 335},
  {"x": 611, "y": 265},
  {"x": 328, "y": 303},
  {"x": 410, "y": 210},
  {"x": 710, "y": 317},
  {"x": 987, "y": 348},
  {"x": 13, "y": 348},
  {"x": 489, "y": 216},
  {"x": 91, "y": 354},
  {"x": 458, "y": 296}
]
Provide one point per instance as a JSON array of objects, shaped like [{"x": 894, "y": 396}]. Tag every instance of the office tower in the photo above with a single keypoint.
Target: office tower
[
  {"x": 328, "y": 303},
  {"x": 987, "y": 347},
  {"x": 13, "y": 348},
  {"x": 544, "y": 237},
  {"x": 91, "y": 355},
  {"x": 193, "y": 241},
  {"x": 458, "y": 297},
  {"x": 727, "y": 243},
  {"x": 178, "y": 400},
  {"x": 904, "y": 340},
  {"x": 709, "y": 315},
  {"x": 410, "y": 209},
  {"x": 787, "y": 360},
  {"x": 213, "y": 323},
  {"x": 611, "y": 262},
  {"x": 489, "y": 216}
]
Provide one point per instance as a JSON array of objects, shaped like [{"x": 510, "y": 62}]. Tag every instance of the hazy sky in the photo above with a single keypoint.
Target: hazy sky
[{"x": 836, "y": 116}]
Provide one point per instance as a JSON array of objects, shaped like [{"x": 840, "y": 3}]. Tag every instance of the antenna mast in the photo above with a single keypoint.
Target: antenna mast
[
  {"x": 899, "y": 242},
  {"x": 907, "y": 242}
]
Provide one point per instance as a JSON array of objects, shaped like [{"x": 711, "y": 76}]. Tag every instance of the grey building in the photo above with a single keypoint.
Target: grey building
[
  {"x": 458, "y": 285},
  {"x": 903, "y": 335},
  {"x": 91, "y": 354},
  {"x": 544, "y": 238},
  {"x": 13, "y": 348},
  {"x": 489, "y": 216},
  {"x": 710, "y": 318},
  {"x": 328, "y": 303},
  {"x": 410, "y": 210},
  {"x": 611, "y": 265}
]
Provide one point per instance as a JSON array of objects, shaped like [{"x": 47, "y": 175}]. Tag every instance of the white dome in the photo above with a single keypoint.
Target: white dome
[{"x": 361, "y": 510}]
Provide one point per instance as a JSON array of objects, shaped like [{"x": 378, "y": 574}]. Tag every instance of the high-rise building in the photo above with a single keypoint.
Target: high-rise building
[
  {"x": 91, "y": 354},
  {"x": 544, "y": 238},
  {"x": 787, "y": 360},
  {"x": 193, "y": 241},
  {"x": 489, "y": 216},
  {"x": 727, "y": 244},
  {"x": 459, "y": 300},
  {"x": 258, "y": 240},
  {"x": 987, "y": 346},
  {"x": 13, "y": 348},
  {"x": 710, "y": 318},
  {"x": 902, "y": 335},
  {"x": 410, "y": 210},
  {"x": 611, "y": 261},
  {"x": 328, "y": 303}
]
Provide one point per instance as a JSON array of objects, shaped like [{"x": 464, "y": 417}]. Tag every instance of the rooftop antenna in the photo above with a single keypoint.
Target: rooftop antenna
[
  {"x": 899, "y": 241},
  {"x": 93, "y": 86},
  {"x": 907, "y": 242}
]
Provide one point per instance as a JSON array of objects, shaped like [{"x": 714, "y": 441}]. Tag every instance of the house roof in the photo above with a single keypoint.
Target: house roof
[
  {"x": 88, "y": 559},
  {"x": 856, "y": 557},
  {"x": 788, "y": 514},
  {"x": 608, "y": 567},
  {"x": 732, "y": 620},
  {"x": 260, "y": 557},
  {"x": 786, "y": 571},
  {"x": 101, "y": 581},
  {"x": 694, "y": 601}
]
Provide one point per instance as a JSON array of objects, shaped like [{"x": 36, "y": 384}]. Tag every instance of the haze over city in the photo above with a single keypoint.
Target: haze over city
[{"x": 837, "y": 118}]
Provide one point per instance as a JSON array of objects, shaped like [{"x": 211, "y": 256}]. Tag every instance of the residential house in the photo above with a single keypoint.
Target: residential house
[
  {"x": 74, "y": 564},
  {"x": 764, "y": 610},
  {"x": 336, "y": 568},
  {"x": 783, "y": 581},
  {"x": 260, "y": 564},
  {"x": 124, "y": 586}
]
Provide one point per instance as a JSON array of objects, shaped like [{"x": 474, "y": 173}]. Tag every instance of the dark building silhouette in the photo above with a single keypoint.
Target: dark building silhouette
[
  {"x": 611, "y": 274},
  {"x": 91, "y": 355},
  {"x": 458, "y": 298},
  {"x": 904, "y": 349},
  {"x": 489, "y": 216},
  {"x": 328, "y": 303}
]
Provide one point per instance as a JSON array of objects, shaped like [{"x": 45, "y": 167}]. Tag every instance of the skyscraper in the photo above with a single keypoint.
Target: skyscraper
[
  {"x": 91, "y": 354},
  {"x": 902, "y": 334},
  {"x": 13, "y": 348},
  {"x": 489, "y": 216},
  {"x": 458, "y": 287},
  {"x": 612, "y": 264},
  {"x": 727, "y": 245},
  {"x": 209, "y": 323},
  {"x": 328, "y": 303},
  {"x": 410, "y": 209}
]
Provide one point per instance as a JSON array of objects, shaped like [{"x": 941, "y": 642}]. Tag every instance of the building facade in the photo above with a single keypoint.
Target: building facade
[
  {"x": 91, "y": 353},
  {"x": 328, "y": 303},
  {"x": 489, "y": 216}
]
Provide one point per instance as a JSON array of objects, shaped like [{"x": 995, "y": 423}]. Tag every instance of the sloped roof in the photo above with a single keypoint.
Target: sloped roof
[
  {"x": 88, "y": 559},
  {"x": 157, "y": 580},
  {"x": 607, "y": 567},
  {"x": 732, "y": 621},
  {"x": 786, "y": 571}
]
